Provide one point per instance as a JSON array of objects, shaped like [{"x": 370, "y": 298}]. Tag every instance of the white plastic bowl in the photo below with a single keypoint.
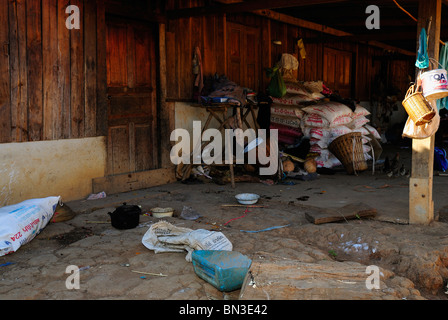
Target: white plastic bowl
[
  {"x": 162, "y": 212},
  {"x": 247, "y": 198}
]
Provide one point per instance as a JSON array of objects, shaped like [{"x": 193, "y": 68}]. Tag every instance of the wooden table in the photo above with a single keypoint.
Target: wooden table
[{"x": 221, "y": 113}]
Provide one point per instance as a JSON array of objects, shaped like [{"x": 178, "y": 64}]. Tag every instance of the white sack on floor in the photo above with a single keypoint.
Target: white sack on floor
[
  {"x": 165, "y": 237},
  {"x": 21, "y": 222}
]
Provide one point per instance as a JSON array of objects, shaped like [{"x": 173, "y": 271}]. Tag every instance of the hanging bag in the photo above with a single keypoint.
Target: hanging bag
[
  {"x": 276, "y": 87},
  {"x": 413, "y": 131}
]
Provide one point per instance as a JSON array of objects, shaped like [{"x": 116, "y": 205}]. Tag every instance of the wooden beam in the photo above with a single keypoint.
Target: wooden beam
[
  {"x": 421, "y": 205},
  {"x": 135, "y": 12},
  {"x": 165, "y": 109},
  {"x": 324, "y": 29},
  {"x": 300, "y": 22},
  {"x": 133, "y": 181},
  {"x": 246, "y": 6},
  {"x": 5, "y": 79},
  {"x": 391, "y": 36},
  {"x": 101, "y": 94}
]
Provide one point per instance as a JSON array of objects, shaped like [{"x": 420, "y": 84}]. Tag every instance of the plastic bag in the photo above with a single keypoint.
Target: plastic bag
[
  {"x": 424, "y": 131},
  {"x": 276, "y": 87},
  {"x": 22, "y": 222},
  {"x": 165, "y": 237},
  {"x": 440, "y": 160}
]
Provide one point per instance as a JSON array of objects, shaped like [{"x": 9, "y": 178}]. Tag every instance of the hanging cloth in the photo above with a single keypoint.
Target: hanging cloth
[
  {"x": 302, "y": 50},
  {"x": 422, "y": 55},
  {"x": 443, "y": 60}
]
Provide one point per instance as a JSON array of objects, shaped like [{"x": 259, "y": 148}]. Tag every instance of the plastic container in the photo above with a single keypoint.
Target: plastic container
[
  {"x": 225, "y": 270},
  {"x": 435, "y": 84}
]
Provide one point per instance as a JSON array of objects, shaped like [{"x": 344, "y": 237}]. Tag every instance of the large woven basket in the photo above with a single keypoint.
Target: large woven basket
[{"x": 348, "y": 149}]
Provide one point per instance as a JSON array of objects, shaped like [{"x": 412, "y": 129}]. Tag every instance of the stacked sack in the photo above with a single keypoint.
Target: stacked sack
[
  {"x": 287, "y": 111},
  {"x": 325, "y": 121}
]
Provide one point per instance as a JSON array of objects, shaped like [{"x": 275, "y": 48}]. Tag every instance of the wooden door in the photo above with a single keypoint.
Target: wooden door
[
  {"x": 131, "y": 90},
  {"x": 337, "y": 71},
  {"x": 243, "y": 55}
]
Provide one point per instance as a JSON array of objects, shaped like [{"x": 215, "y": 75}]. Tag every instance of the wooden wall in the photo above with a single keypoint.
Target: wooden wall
[
  {"x": 52, "y": 80},
  {"x": 209, "y": 34},
  {"x": 48, "y": 73}
]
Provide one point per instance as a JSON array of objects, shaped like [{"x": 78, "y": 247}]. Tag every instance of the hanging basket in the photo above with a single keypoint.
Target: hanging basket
[
  {"x": 417, "y": 107},
  {"x": 348, "y": 149}
]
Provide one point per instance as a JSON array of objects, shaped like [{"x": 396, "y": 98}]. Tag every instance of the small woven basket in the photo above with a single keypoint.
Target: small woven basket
[
  {"x": 417, "y": 107},
  {"x": 348, "y": 149}
]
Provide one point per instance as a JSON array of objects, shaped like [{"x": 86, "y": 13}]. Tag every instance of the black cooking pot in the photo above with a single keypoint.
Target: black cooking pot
[{"x": 125, "y": 216}]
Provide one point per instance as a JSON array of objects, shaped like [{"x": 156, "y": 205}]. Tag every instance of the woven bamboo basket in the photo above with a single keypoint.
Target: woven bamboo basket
[
  {"x": 348, "y": 149},
  {"x": 417, "y": 107}
]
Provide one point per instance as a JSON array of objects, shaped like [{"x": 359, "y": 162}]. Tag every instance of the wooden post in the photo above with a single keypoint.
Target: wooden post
[
  {"x": 421, "y": 205},
  {"x": 165, "y": 110}
]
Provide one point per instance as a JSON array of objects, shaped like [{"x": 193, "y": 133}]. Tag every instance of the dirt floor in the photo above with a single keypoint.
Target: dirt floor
[{"x": 414, "y": 259}]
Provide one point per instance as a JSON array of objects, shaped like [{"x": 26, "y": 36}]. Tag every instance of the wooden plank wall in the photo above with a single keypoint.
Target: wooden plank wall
[
  {"x": 182, "y": 36},
  {"x": 52, "y": 80},
  {"x": 48, "y": 73},
  {"x": 209, "y": 33}
]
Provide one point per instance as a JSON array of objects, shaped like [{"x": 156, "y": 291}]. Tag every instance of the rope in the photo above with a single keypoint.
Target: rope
[
  {"x": 245, "y": 214},
  {"x": 410, "y": 15},
  {"x": 405, "y": 11},
  {"x": 353, "y": 154}
]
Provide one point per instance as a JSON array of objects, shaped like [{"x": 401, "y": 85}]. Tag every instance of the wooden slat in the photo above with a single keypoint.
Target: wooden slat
[
  {"x": 184, "y": 60},
  {"x": 129, "y": 10},
  {"x": 61, "y": 108},
  {"x": 130, "y": 50},
  {"x": 210, "y": 40},
  {"x": 266, "y": 61},
  {"x": 90, "y": 63},
  {"x": 134, "y": 181},
  {"x": 143, "y": 157},
  {"x": 156, "y": 81},
  {"x": 166, "y": 110},
  {"x": 77, "y": 76},
  {"x": 50, "y": 66},
  {"x": 240, "y": 7},
  {"x": 118, "y": 150},
  {"x": 348, "y": 212},
  {"x": 5, "y": 93},
  {"x": 172, "y": 81},
  {"x": 101, "y": 111},
  {"x": 19, "y": 84},
  {"x": 34, "y": 62},
  {"x": 221, "y": 47},
  {"x": 322, "y": 28}
]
